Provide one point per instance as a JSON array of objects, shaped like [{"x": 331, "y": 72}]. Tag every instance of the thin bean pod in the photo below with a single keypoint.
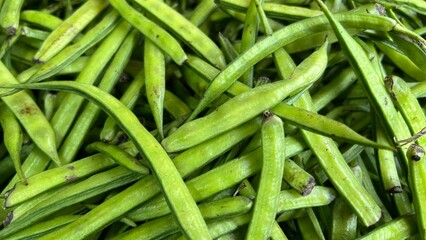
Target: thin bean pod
[
  {"x": 40, "y": 18},
  {"x": 416, "y": 120},
  {"x": 402, "y": 227},
  {"x": 13, "y": 133},
  {"x": 72, "y": 52},
  {"x": 129, "y": 98},
  {"x": 155, "y": 82},
  {"x": 56, "y": 177},
  {"x": 333, "y": 163},
  {"x": 309, "y": 226},
  {"x": 9, "y": 15},
  {"x": 94, "y": 185},
  {"x": 151, "y": 30},
  {"x": 184, "y": 29},
  {"x": 68, "y": 29},
  {"x": 31, "y": 117}
]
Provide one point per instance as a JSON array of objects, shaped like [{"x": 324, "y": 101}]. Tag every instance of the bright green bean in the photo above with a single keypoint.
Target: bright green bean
[
  {"x": 184, "y": 29},
  {"x": 119, "y": 155},
  {"x": 175, "y": 106},
  {"x": 388, "y": 170},
  {"x": 248, "y": 38},
  {"x": 31, "y": 117},
  {"x": 69, "y": 54},
  {"x": 416, "y": 120},
  {"x": 39, "y": 18},
  {"x": 265, "y": 205},
  {"x": 94, "y": 185},
  {"x": 129, "y": 98},
  {"x": 402, "y": 227},
  {"x": 12, "y": 134},
  {"x": 55, "y": 177},
  {"x": 151, "y": 30},
  {"x": 37, "y": 230},
  {"x": 215, "y": 210},
  {"x": 290, "y": 199},
  {"x": 273, "y": 10},
  {"x": 9, "y": 15},
  {"x": 68, "y": 29},
  {"x": 333, "y": 163},
  {"x": 228, "y": 115},
  {"x": 202, "y": 12},
  {"x": 155, "y": 82}
]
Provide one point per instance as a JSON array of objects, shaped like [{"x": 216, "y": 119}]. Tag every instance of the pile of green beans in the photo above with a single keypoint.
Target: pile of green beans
[{"x": 212, "y": 119}]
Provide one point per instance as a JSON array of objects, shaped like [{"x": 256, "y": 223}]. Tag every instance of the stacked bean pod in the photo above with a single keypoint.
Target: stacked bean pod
[{"x": 242, "y": 119}]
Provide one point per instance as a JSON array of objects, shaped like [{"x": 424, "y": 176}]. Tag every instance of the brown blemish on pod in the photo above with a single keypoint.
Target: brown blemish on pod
[
  {"x": 71, "y": 178},
  {"x": 8, "y": 219},
  {"x": 28, "y": 110}
]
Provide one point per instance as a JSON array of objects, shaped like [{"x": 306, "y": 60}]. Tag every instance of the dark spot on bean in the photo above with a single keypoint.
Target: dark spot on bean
[
  {"x": 8, "y": 219},
  {"x": 28, "y": 110},
  {"x": 11, "y": 31},
  {"x": 37, "y": 61},
  {"x": 71, "y": 178},
  {"x": 395, "y": 189},
  {"x": 70, "y": 167}
]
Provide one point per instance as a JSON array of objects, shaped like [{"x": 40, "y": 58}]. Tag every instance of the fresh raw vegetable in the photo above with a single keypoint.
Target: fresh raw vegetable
[{"x": 203, "y": 119}]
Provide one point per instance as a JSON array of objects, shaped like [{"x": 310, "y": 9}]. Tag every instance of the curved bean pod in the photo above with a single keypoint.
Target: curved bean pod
[
  {"x": 228, "y": 115},
  {"x": 13, "y": 133},
  {"x": 9, "y": 15},
  {"x": 184, "y": 29},
  {"x": 31, "y": 117},
  {"x": 155, "y": 82},
  {"x": 151, "y": 30},
  {"x": 118, "y": 155},
  {"x": 69, "y": 28},
  {"x": 169, "y": 178}
]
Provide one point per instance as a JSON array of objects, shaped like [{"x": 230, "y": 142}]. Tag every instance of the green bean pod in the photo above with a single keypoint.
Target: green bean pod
[
  {"x": 173, "y": 105},
  {"x": 184, "y": 29},
  {"x": 309, "y": 226},
  {"x": 9, "y": 15},
  {"x": 248, "y": 38},
  {"x": 388, "y": 169},
  {"x": 265, "y": 205},
  {"x": 24, "y": 216},
  {"x": 13, "y": 133},
  {"x": 370, "y": 79},
  {"x": 229, "y": 115},
  {"x": 220, "y": 209},
  {"x": 69, "y": 54},
  {"x": 40, "y": 18},
  {"x": 416, "y": 120},
  {"x": 291, "y": 199},
  {"x": 31, "y": 117},
  {"x": 298, "y": 178},
  {"x": 401, "y": 227},
  {"x": 55, "y": 177},
  {"x": 129, "y": 98},
  {"x": 68, "y": 29},
  {"x": 170, "y": 181},
  {"x": 273, "y": 10},
  {"x": 39, "y": 229},
  {"x": 119, "y": 155},
  {"x": 339, "y": 173},
  {"x": 155, "y": 82},
  {"x": 203, "y": 10},
  {"x": 151, "y": 30}
]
